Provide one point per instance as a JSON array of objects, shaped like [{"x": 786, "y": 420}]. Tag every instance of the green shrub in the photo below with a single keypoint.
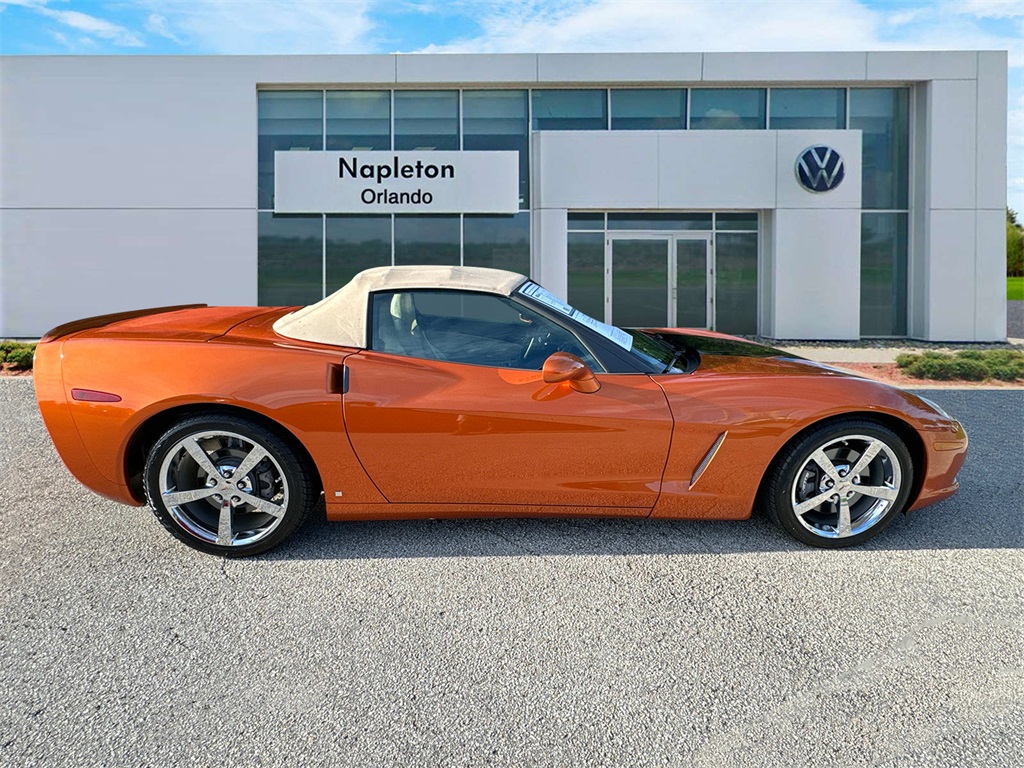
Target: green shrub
[
  {"x": 965, "y": 365},
  {"x": 925, "y": 367},
  {"x": 1007, "y": 372},
  {"x": 21, "y": 358},
  {"x": 970, "y": 370},
  {"x": 971, "y": 354}
]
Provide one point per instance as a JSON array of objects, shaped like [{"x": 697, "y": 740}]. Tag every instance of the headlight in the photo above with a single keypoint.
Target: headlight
[{"x": 938, "y": 409}]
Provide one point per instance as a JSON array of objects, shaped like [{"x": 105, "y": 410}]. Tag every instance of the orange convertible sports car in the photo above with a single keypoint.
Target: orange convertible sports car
[{"x": 466, "y": 392}]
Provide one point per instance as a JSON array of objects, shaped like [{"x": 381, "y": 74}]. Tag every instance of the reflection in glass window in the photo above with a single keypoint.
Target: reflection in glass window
[
  {"x": 736, "y": 222},
  {"x": 883, "y": 114},
  {"x": 499, "y": 120},
  {"x": 727, "y": 108},
  {"x": 358, "y": 120},
  {"x": 355, "y": 243},
  {"x": 424, "y": 239},
  {"x": 427, "y": 120},
  {"x": 499, "y": 242},
  {"x": 661, "y": 221},
  {"x": 794, "y": 108},
  {"x": 591, "y": 221},
  {"x": 883, "y": 274},
  {"x": 736, "y": 282},
  {"x": 570, "y": 110},
  {"x": 648, "y": 109},
  {"x": 289, "y": 260},
  {"x": 586, "y": 272},
  {"x": 286, "y": 120},
  {"x": 469, "y": 328}
]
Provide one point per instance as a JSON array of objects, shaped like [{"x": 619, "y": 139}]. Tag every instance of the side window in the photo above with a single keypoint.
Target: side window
[{"x": 471, "y": 328}]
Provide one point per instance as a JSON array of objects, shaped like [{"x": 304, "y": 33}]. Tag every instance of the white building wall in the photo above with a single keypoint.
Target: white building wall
[
  {"x": 815, "y": 238},
  {"x": 128, "y": 182}
]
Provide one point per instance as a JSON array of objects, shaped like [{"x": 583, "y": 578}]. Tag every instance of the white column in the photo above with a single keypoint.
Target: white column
[{"x": 550, "y": 262}]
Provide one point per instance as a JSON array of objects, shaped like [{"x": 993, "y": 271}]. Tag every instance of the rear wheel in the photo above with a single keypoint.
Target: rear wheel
[
  {"x": 840, "y": 484},
  {"x": 227, "y": 486}
]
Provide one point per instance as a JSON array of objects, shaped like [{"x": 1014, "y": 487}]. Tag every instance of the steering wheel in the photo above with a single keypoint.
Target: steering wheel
[{"x": 538, "y": 343}]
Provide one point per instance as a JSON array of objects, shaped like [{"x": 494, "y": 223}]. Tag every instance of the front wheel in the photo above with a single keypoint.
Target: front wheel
[
  {"x": 227, "y": 486},
  {"x": 840, "y": 484}
]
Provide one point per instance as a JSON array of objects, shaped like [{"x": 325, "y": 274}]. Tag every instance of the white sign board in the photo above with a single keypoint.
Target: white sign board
[{"x": 396, "y": 182}]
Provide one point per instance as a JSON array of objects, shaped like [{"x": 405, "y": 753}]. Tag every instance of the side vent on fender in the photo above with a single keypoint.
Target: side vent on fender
[{"x": 706, "y": 461}]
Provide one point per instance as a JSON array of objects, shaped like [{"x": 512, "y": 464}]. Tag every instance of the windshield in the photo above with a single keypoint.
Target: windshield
[
  {"x": 654, "y": 354},
  {"x": 659, "y": 355}
]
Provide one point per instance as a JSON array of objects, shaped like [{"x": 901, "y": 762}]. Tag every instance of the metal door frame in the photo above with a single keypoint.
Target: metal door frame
[{"x": 671, "y": 238}]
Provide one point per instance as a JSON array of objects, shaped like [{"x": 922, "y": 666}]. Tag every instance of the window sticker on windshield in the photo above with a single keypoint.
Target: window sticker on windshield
[{"x": 548, "y": 299}]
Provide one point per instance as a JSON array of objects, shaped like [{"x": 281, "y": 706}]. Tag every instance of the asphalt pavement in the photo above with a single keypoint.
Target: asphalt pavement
[{"x": 497, "y": 642}]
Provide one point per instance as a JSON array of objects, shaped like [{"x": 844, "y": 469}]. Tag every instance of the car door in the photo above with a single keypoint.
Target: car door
[{"x": 429, "y": 426}]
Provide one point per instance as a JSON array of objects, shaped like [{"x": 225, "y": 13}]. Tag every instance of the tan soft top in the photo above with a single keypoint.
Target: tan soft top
[{"x": 340, "y": 319}]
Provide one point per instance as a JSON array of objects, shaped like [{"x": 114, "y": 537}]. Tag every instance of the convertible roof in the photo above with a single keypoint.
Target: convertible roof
[{"x": 340, "y": 319}]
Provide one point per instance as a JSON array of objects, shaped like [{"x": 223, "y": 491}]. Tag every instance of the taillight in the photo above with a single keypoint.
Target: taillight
[{"x": 93, "y": 396}]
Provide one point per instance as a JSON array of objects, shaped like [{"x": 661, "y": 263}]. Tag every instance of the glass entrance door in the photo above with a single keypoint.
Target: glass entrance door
[
  {"x": 638, "y": 274},
  {"x": 658, "y": 280},
  {"x": 692, "y": 294}
]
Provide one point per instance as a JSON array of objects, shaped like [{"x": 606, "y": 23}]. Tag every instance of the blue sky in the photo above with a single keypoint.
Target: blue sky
[{"x": 387, "y": 26}]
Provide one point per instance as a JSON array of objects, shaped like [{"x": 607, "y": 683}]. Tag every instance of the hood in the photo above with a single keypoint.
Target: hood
[{"x": 723, "y": 354}]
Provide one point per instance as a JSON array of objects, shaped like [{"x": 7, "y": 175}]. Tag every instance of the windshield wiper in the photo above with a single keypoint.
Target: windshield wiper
[{"x": 675, "y": 358}]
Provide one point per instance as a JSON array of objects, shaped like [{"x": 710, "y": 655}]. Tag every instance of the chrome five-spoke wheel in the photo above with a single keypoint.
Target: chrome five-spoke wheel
[
  {"x": 840, "y": 484},
  {"x": 846, "y": 486},
  {"x": 226, "y": 485}
]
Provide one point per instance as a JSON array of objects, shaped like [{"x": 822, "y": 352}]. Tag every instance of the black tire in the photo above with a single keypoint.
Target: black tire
[
  {"x": 796, "y": 480},
  {"x": 281, "y": 484}
]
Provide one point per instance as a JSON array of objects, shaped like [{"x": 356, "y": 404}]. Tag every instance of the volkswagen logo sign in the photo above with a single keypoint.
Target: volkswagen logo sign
[{"x": 820, "y": 169}]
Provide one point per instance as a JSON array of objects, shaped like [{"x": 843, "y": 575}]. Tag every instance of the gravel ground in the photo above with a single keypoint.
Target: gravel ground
[
  {"x": 512, "y": 642},
  {"x": 1015, "y": 319}
]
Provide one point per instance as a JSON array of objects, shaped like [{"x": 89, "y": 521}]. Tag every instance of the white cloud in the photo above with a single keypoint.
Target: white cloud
[
  {"x": 95, "y": 26},
  {"x": 265, "y": 26},
  {"x": 662, "y": 25},
  {"x": 157, "y": 25},
  {"x": 727, "y": 25},
  {"x": 991, "y": 9}
]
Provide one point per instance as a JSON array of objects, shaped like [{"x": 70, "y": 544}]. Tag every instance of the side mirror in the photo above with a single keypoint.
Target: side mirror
[{"x": 562, "y": 366}]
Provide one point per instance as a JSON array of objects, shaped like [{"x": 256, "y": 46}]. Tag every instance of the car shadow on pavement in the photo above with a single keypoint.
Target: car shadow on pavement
[
  {"x": 987, "y": 513},
  {"x": 948, "y": 525}
]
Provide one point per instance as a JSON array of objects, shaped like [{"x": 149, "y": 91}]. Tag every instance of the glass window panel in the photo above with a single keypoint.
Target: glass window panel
[
  {"x": 727, "y": 108},
  {"x": 499, "y": 120},
  {"x": 808, "y": 108},
  {"x": 640, "y": 283},
  {"x": 286, "y": 120},
  {"x": 736, "y": 222},
  {"x": 355, "y": 243},
  {"x": 289, "y": 260},
  {"x": 359, "y": 120},
  {"x": 586, "y": 273},
  {"x": 469, "y": 328},
  {"x": 883, "y": 274},
  {"x": 883, "y": 114},
  {"x": 736, "y": 282},
  {"x": 570, "y": 110},
  {"x": 427, "y": 120},
  {"x": 424, "y": 239},
  {"x": 594, "y": 221},
  {"x": 701, "y": 221},
  {"x": 648, "y": 109},
  {"x": 692, "y": 283},
  {"x": 499, "y": 242}
]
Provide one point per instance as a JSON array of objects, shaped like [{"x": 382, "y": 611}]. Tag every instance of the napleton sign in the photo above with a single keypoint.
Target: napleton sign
[{"x": 396, "y": 182}]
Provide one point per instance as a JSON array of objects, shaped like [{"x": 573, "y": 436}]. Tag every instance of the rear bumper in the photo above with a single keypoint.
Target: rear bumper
[{"x": 64, "y": 432}]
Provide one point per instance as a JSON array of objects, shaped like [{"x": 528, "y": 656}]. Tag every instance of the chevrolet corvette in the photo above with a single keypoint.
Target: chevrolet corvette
[{"x": 430, "y": 392}]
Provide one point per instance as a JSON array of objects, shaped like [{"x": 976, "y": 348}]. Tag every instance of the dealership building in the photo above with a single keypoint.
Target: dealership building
[{"x": 789, "y": 195}]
